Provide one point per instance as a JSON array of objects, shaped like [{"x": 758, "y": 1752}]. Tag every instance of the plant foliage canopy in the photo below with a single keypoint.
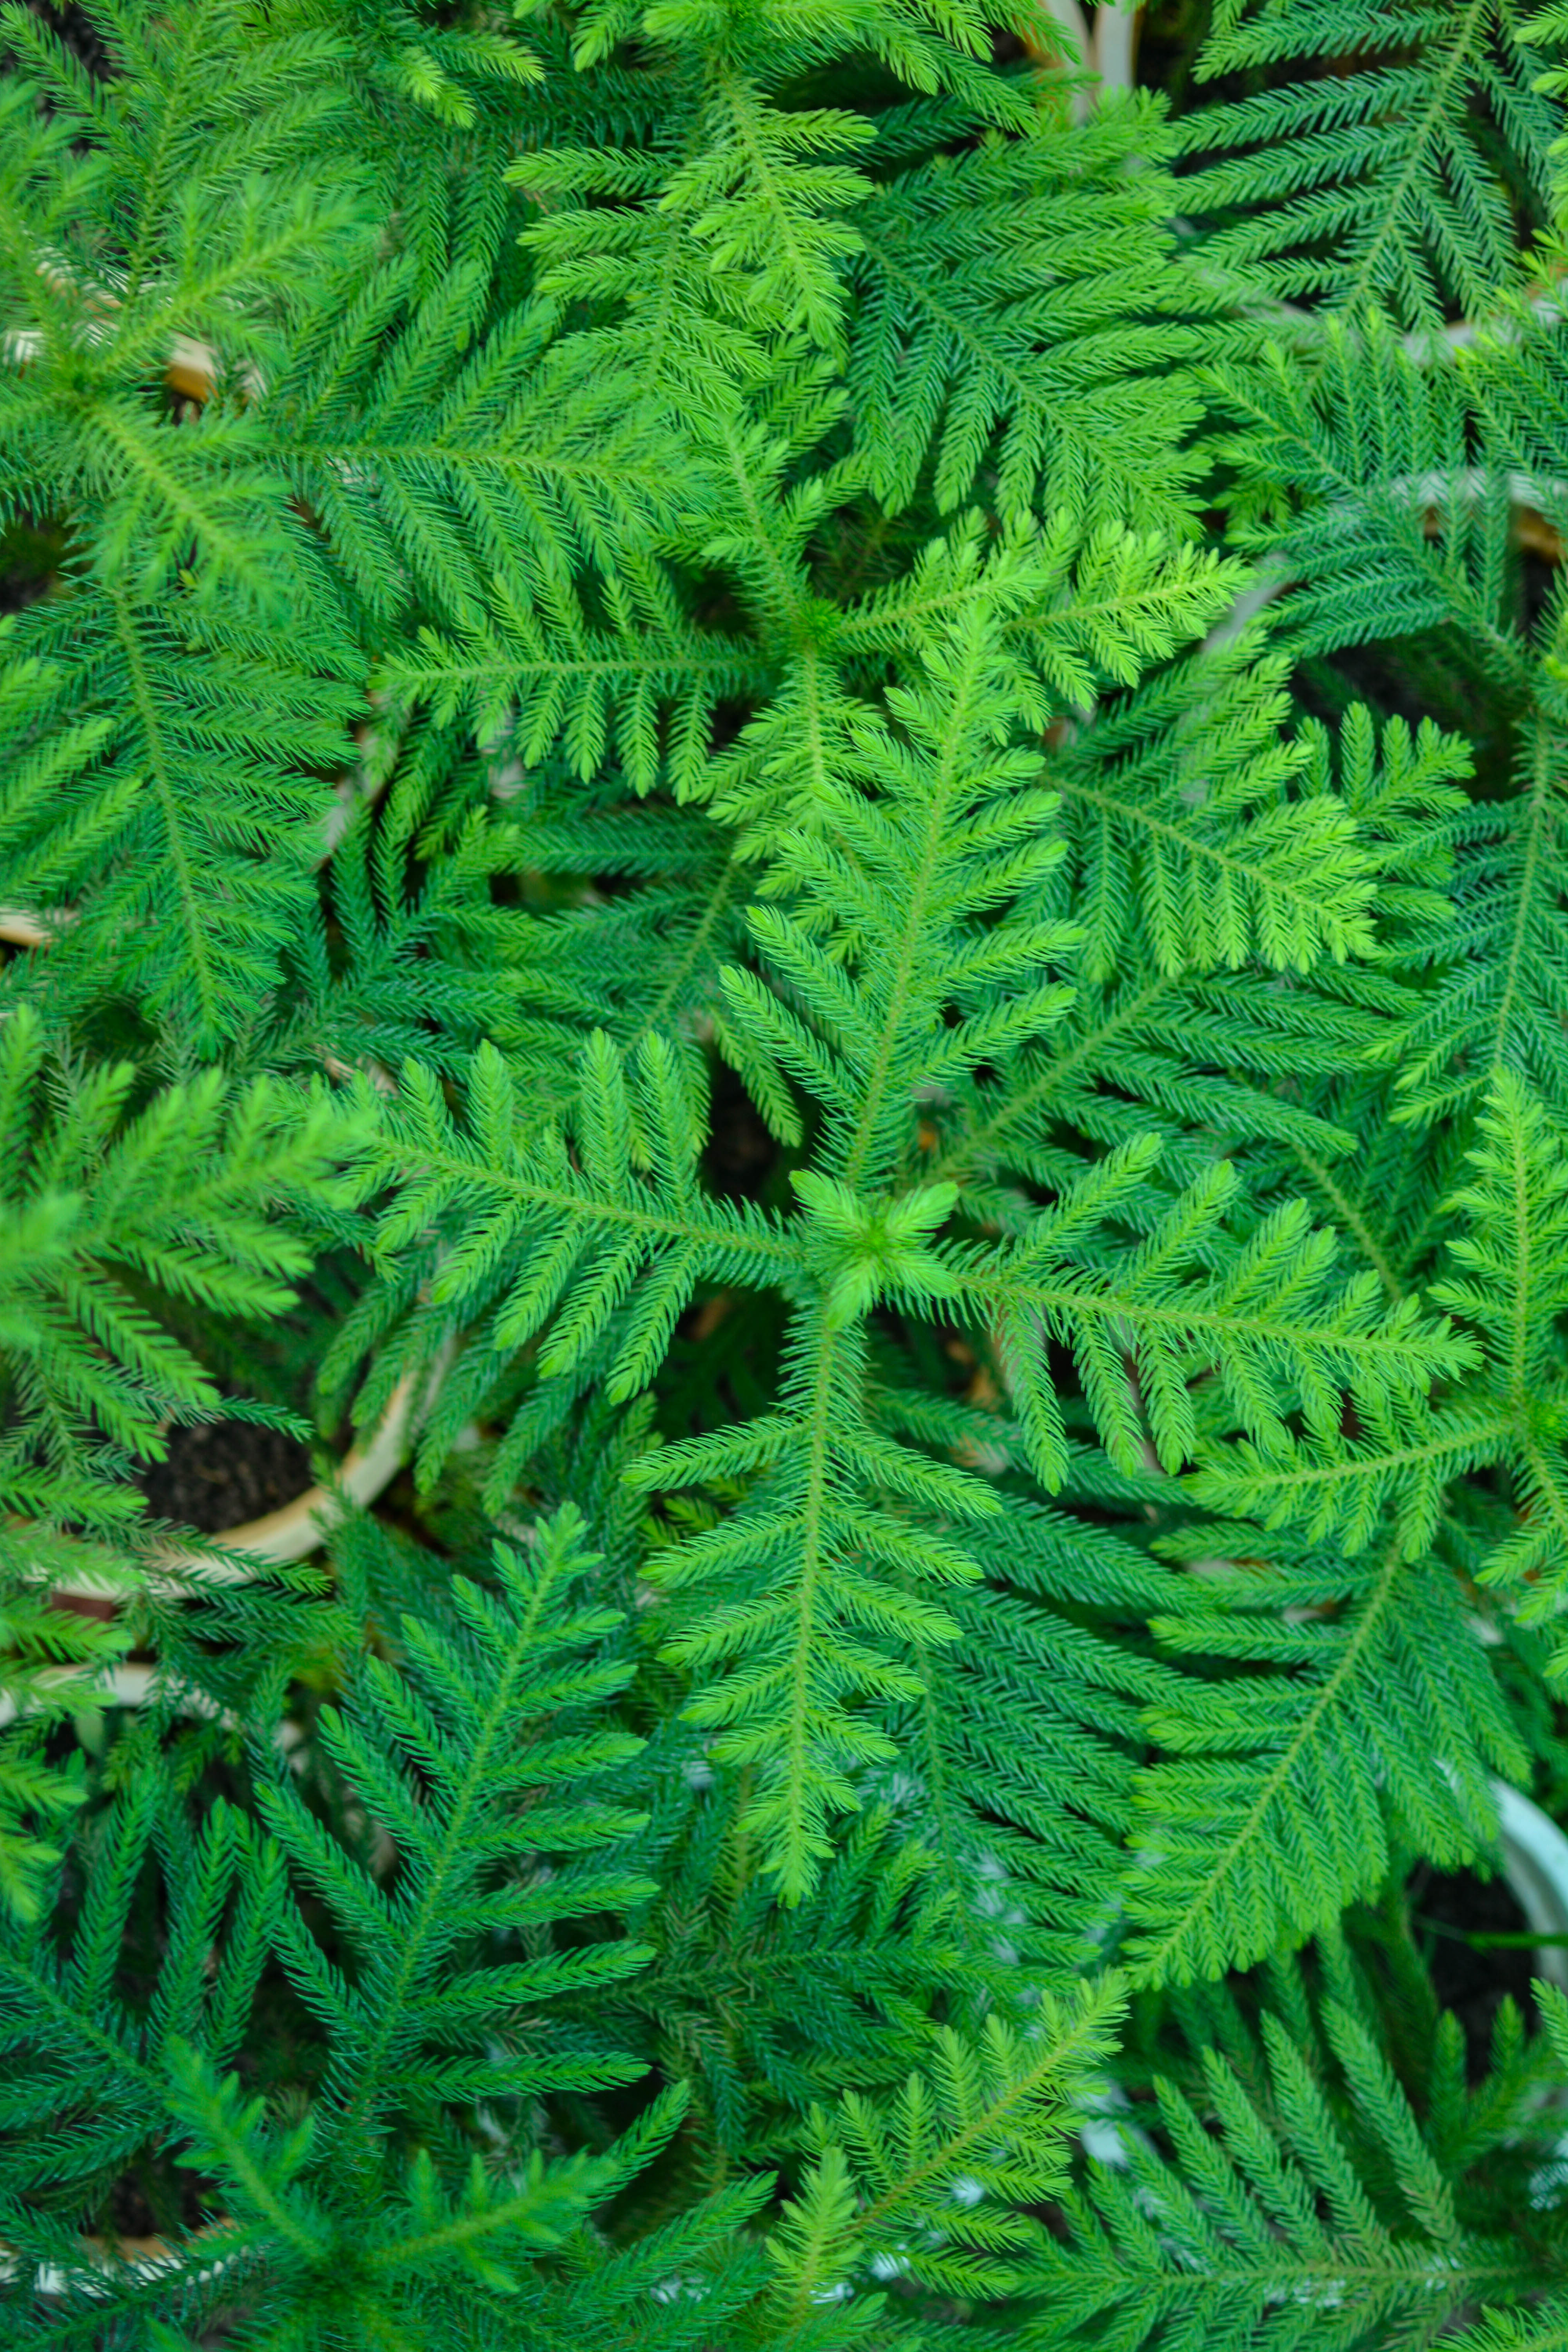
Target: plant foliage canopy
[{"x": 783, "y": 880}]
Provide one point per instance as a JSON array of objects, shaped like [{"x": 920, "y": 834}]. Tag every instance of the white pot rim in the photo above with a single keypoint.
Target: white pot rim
[
  {"x": 1535, "y": 1866},
  {"x": 296, "y": 1529}
]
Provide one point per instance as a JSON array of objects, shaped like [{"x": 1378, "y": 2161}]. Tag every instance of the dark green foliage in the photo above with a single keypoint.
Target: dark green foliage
[
  {"x": 1389, "y": 171},
  {"x": 784, "y": 820},
  {"x": 1321, "y": 2181}
]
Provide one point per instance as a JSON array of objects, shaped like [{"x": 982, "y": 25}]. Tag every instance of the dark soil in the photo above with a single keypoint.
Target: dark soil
[
  {"x": 225, "y": 1473},
  {"x": 1472, "y": 1980},
  {"x": 29, "y": 555},
  {"x": 75, "y": 27},
  {"x": 740, "y": 1154},
  {"x": 155, "y": 2198}
]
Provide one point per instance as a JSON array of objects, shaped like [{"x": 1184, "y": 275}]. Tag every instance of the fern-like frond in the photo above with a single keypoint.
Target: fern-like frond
[
  {"x": 848, "y": 1970},
  {"x": 1188, "y": 1307},
  {"x": 1300, "y": 2200},
  {"x": 925, "y": 2188},
  {"x": 515, "y": 1232},
  {"x": 965, "y": 350},
  {"x": 1365, "y": 464},
  {"x": 108, "y": 1203},
  {"x": 454, "y": 456},
  {"x": 1512, "y": 1412},
  {"x": 450, "y": 1756},
  {"x": 1383, "y": 183},
  {"x": 1273, "y": 1807},
  {"x": 71, "y": 2010},
  {"x": 801, "y": 1609},
  {"x": 158, "y": 781},
  {"x": 1036, "y": 1691},
  {"x": 1188, "y": 813}
]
